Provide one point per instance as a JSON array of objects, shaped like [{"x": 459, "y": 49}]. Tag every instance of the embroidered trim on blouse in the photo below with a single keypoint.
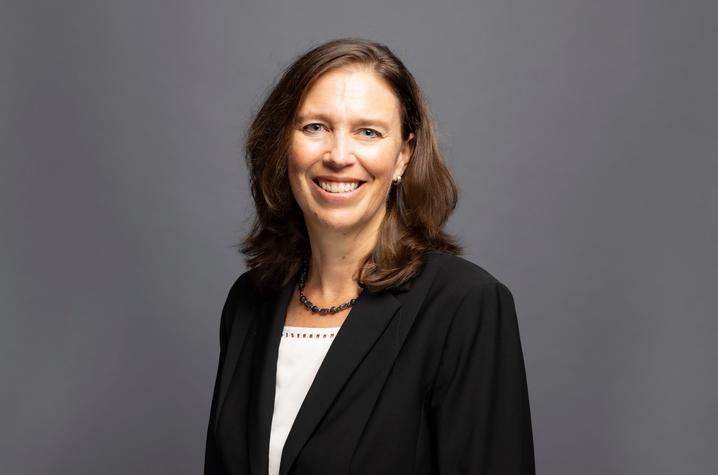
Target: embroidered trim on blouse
[{"x": 309, "y": 332}]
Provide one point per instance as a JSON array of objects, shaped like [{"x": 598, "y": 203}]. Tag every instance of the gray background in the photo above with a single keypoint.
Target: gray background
[{"x": 583, "y": 135}]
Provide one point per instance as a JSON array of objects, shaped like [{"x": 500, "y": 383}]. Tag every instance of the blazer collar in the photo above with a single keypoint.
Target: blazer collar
[{"x": 369, "y": 316}]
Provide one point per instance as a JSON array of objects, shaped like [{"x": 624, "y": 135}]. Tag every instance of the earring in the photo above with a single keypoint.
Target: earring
[{"x": 397, "y": 180}]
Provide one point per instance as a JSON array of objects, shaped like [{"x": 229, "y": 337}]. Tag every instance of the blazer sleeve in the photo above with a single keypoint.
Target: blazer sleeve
[
  {"x": 212, "y": 458},
  {"x": 479, "y": 402}
]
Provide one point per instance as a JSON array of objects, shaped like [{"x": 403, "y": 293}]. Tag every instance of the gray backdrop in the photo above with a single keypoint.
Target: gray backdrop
[{"x": 583, "y": 135}]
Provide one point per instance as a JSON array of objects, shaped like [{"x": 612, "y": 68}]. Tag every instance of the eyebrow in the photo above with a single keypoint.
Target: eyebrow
[{"x": 359, "y": 122}]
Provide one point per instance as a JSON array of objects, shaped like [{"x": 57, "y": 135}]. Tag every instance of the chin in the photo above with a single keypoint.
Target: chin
[{"x": 341, "y": 223}]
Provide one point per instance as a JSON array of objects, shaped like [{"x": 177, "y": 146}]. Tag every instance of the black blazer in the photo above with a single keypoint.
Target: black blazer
[{"x": 426, "y": 378}]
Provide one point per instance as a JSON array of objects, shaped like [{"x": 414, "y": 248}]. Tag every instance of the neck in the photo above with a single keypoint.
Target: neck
[{"x": 335, "y": 261}]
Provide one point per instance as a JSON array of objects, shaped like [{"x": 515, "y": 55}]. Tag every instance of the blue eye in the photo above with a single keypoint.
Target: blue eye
[
  {"x": 314, "y": 127},
  {"x": 372, "y": 133}
]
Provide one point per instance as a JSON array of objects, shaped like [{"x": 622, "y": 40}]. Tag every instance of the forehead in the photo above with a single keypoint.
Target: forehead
[{"x": 350, "y": 91}]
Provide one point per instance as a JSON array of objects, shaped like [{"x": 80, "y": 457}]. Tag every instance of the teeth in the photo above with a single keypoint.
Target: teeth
[{"x": 338, "y": 187}]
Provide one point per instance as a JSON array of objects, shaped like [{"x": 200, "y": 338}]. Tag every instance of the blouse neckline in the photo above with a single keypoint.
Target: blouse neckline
[{"x": 309, "y": 332}]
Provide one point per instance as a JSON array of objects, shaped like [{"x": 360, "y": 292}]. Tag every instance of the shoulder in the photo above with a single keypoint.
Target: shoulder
[
  {"x": 243, "y": 293},
  {"x": 461, "y": 294},
  {"x": 456, "y": 267},
  {"x": 474, "y": 304},
  {"x": 242, "y": 287},
  {"x": 461, "y": 277},
  {"x": 467, "y": 295}
]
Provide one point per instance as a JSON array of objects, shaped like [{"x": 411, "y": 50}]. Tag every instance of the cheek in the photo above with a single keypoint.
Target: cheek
[
  {"x": 299, "y": 158},
  {"x": 381, "y": 164},
  {"x": 292, "y": 166},
  {"x": 295, "y": 181},
  {"x": 294, "y": 173}
]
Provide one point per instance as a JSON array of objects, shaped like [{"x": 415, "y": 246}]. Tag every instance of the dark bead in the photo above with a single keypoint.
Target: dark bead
[{"x": 315, "y": 309}]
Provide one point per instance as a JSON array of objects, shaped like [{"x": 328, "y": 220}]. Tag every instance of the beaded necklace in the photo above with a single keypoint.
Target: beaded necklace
[{"x": 314, "y": 308}]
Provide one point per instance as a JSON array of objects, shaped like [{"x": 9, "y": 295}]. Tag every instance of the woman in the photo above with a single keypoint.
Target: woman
[{"x": 358, "y": 342}]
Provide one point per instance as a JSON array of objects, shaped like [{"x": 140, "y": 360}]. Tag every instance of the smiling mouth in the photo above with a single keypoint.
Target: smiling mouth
[{"x": 337, "y": 186}]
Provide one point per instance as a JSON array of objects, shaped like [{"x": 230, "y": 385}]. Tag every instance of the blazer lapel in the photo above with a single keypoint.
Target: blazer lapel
[
  {"x": 261, "y": 401},
  {"x": 367, "y": 320},
  {"x": 238, "y": 338}
]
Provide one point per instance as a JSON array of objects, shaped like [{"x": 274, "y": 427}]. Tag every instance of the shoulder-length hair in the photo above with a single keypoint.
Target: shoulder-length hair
[{"x": 417, "y": 208}]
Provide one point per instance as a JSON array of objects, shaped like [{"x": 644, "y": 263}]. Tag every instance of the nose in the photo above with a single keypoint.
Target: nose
[{"x": 340, "y": 153}]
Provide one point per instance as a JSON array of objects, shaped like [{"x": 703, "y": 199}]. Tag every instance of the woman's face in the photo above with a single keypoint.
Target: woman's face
[{"x": 345, "y": 149}]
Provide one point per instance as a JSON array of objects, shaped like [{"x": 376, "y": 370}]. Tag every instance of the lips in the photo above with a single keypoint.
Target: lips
[
  {"x": 338, "y": 187},
  {"x": 345, "y": 191},
  {"x": 334, "y": 185}
]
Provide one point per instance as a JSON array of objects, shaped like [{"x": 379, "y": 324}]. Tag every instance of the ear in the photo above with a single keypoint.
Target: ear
[{"x": 405, "y": 154}]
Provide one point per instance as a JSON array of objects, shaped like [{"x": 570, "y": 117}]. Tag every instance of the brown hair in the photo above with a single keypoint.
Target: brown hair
[{"x": 417, "y": 209}]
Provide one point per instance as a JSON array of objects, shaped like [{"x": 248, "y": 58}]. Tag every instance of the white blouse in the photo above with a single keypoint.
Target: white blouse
[{"x": 301, "y": 352}]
